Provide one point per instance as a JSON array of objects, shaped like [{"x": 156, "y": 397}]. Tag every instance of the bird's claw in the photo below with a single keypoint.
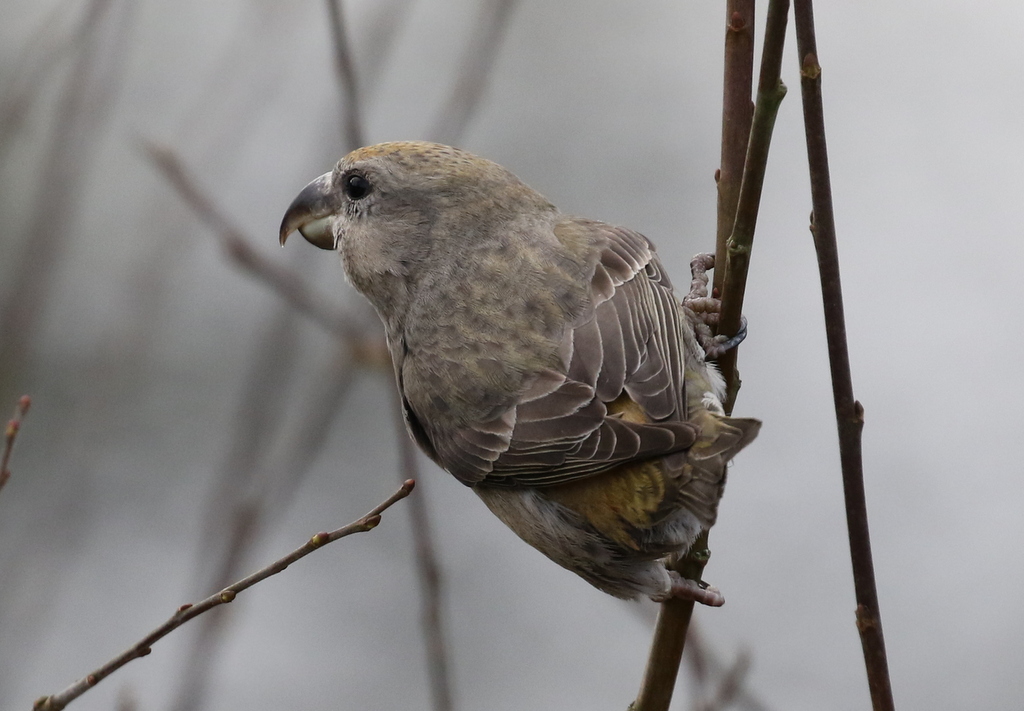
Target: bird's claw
[
  {"x": 705, "y": 311},
  {"x": 718, "y": 345},
  {"x": 686, "y": 589}
]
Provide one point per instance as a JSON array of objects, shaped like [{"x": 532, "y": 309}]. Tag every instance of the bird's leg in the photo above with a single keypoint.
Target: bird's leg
[
  {"x": 704, "y": 310},
  {"x": 686, "y": 589}
]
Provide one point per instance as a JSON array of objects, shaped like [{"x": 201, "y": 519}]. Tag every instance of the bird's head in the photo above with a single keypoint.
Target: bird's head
[{"x": 388, "y": 207}]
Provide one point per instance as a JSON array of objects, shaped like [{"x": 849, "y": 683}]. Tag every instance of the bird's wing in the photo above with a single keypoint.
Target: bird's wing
[{"x": 621, "y": 396}]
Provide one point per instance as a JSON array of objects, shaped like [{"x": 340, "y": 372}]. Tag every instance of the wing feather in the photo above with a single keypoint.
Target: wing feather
[
  {"x": 627, "y": 342},
  {"x": 567, "y": 425}
]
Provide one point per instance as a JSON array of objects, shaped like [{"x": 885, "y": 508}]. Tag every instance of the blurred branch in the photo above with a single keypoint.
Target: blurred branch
[
  {"x": 849, "y": 412},
  {"x": 674, "y": 617},
  {"x": 428, "y": 570},
  {"x": 44, "y": 49},
  {"x": 731, "y": 685},
  {"x": 378, "y": 38},
  {"x": 352, "y": 130},
  {"x": 187, "y": 612},
  {"x": 474, "y": 70},
  {"x": 81, "y": 109},
  {"x": 11, "y": 434},
  {"x": 322, "y": 405},
  {"x": 235, "y": 513},
  {"x": 249, "y": 488},
  {"x": 288, "y": 284},
  {"x": 468, "y": 89}
]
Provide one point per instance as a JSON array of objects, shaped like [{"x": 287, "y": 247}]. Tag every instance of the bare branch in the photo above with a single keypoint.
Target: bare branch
[
  {"x": 737, "y": 113},
  {"x": 289, "y": 285},
  {"x": 11, "y": 434},
  {"x": 474, "y": 71},
  {"x": 674, "y": 618},
  {"x": 352, "y": 129},
  {"x": 188, "y": 611},
  {"x": 770, "y": 92},
  {"x": 849, "y": 412},
  {"x": 659, "y": 679}
]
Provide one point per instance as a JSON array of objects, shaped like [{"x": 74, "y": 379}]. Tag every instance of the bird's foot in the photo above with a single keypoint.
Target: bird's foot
[
  {"x": 686, "y": 589},
  {"x": 706, "y": 309}
]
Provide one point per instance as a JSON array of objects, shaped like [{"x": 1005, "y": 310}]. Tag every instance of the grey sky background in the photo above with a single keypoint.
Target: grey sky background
[{"x": 612, "y": 110}]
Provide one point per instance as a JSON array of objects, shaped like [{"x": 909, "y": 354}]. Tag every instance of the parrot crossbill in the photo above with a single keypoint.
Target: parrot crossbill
[{"x": 542, "y": 359}]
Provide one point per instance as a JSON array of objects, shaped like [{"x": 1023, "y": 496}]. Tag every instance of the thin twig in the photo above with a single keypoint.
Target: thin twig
[
  {"x": 289, "y": 285},
  {"x": 11, "y": 434},
  {"x": 475, "y": 69},
  {"x": 770, "y": 92},
  {"x": 186, "y": 612},
  {"x": 849, "y": 412},
  {"x": 674, "y": 618},
  {"x": 265, "y": 488},
  {"x": 352, "y": 130}
]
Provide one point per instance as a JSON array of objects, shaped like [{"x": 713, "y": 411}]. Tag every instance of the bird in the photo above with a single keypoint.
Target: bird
[{"x": 543, "y": 359}]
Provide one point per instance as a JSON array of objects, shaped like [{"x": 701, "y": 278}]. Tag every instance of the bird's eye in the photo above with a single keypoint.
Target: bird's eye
[{"x": 356, "y": 186}]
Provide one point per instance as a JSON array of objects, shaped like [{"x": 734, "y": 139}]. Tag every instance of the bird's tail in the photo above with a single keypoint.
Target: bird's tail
[{"x": 704, "y": 472}]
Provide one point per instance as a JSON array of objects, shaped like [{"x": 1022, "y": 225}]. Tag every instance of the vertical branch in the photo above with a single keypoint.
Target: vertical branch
[
  {"x": 352, "y": 131},
  {"x": 737, "y": 115},
  {"x": 849, "y": 412},
  {"x": 674, "y": 617},
  {"x": 770, "y": 92},
  {"x": 662, "y": 668}
]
